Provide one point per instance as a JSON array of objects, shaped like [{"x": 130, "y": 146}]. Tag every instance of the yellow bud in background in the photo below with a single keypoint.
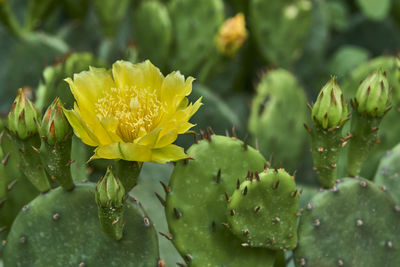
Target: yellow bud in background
[{"x": 232, "y": 35}]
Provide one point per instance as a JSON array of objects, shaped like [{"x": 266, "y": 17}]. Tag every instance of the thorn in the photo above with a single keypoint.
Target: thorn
[
  {"x": 309, "y": 106},
  {"x": 196, "y": 138},
  {"x": 11, "y": 185},
  {"x": 227, "y": 133},
  {"x": 22, "y": 150},
  {"x": 162, "y": 201},
  {"x": 344, "y": 144},
  {"x": 244, "y": 191},
  {"x": 290, "y": 235},
  {"x": 227, "y": 226},
  {"x": 396, "y": 208},
  {"x": 257, "y": 147},
  {"x": 5, "y": 159},
  {"x": 228, "y": 199},
  {"x": 246, "y": 231},
  {"x": 238, "y": 184},
  {"x": 177, "y": 213},
  {"x": 70, "y": 162},
  {"x": 272, "y": 239},
  {"x": 275, "y": 186},
  {"x": 167, "y": 189},
  {"x": 245, "y": 244},
  {"x": 245, "y": 142},
  {"x": 218, "y": 178},
  {"x": 167, "y": 236},
  {"x": 275, "y": 169},
  {"x": 320, "y": 149},
  {"x": 181, "y": 264},
  {"x": 233, "y": 212},
  {"x": 374, "y": 129},
  {"x": 359, "y": 222},
  {"x": 22, "y": 240},
  {"x": 56, "y": 216},
  {"x": 3, "y": 228},
  {"x": 203, "y": 135},
  {"x": 234, "y": 135},
  {"x": 317, "y": 222},
  {"x": 213, "y": 226},
  {"x": 161, "y": 263},
  {"x": 2, "y": 201},
  {"x": 257, "y": 209},
  {"x": 249, "y": 176},
  {"x": 186, "y": 161},
  {"x": 257, "y": 176},
  {"x": 363, "y": 183},
  {"x": 333, "y": 165},
  {"x": 294, "y": 193},
  {"x": 389, "y": 244},
  {"x": 302, "y": 262},
  {"x": 188, "y": 257},
  {"x": 377, "y": 141},
  {"x": 308, "y": 129},
  {"x": 277, "y": 219},
  {"x": 301, "y": 191},
  {"x": 340, "y": 262},
  {"x": 309, "y": 206},
  {"x": 210, "y": 131}
]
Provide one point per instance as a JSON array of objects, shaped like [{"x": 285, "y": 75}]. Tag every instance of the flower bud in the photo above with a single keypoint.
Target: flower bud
[
  {"x": 232, "y": 35},
  {"x": 330, "y": 110},
  {"x": 23, "y": 117},
  {"x": 55, "y": 126},
  {"x": 374, "y": 96},
  {"x": 109, "y": 191}
]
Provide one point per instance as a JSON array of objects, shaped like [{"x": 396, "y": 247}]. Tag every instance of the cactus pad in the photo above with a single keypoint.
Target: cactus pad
[
  {"x": 262, "y": 212},
  {"x": 354, "y": 224},
  {"x": 388, "y": 173},
  {"x": 197, "y": 201},
  {"x": 62, "y": 228}
]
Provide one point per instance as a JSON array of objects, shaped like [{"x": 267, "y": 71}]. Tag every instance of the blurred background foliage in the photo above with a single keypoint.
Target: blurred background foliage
[{"x": 290, "y": 50}]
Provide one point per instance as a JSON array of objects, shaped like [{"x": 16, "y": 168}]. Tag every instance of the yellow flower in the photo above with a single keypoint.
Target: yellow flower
[
  {"x": 132, "y": 112},
  {"x": 232, "y": 35}
]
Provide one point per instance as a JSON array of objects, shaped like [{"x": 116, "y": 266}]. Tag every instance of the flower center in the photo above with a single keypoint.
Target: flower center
[{"x": 136, "y": 110}]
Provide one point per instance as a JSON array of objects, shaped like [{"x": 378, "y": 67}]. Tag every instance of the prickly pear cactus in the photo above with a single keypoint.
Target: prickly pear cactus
[
  {"x": 388, "y": 172},
  {"x": 16, "y": 190},
  {"x": 69, "y": 223},
  {"x": 263, "y": 210},
  {"x": 195, "y": 25},
  {"x": 53, "y": 85},
  {"x": 354, "y": 224},
  {"x": 280, "y": 28},
  {"x": 278, "y": 94},
  {"x": 158, "y": 31},
  {"x": 197, "y": 200}
]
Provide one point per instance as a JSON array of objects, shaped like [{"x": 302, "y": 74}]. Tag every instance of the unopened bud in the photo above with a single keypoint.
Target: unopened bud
[
  {"x": 23, "y": 117},
  {"x": 232, "y": 35},
  {"x": 330, "y": 109},
  {"x": 374, "y": 97},
  {"x": 109, "y": 191}
]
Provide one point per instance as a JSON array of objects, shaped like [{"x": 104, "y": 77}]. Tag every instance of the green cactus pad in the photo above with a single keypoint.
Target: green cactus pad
[
  {"x": 158, "y": 31},
  {"x": 62, "y": 229},
  {"x": 195, "y": 25},
  {"x": 18, "y": 190},
  {"x": 357, "y": 223},
  {"x": 196, "y": 203},
  {"x": 278, "y": 94},
  {"x": 263, "y": 211},
  {"x": 280, "y": 28},
  {"x": 388, "y": 173}
]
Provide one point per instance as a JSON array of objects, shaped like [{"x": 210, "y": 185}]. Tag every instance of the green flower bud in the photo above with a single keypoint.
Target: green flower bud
[
  {"x": 23, "y": 117},
  {"x": 330, "y": 110},
  {"x": 374, "y": 96},
  {"x": 109, "y": 191},
  {"x": 55, "y": 126}
]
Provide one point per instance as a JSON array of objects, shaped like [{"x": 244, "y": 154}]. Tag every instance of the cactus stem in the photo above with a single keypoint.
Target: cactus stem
[
  {"x": 167, "y": 236},
  {"x": 177, "y": 213},
  {"x": 162, "y": 201},
  {"x": 167, "y": 189}
]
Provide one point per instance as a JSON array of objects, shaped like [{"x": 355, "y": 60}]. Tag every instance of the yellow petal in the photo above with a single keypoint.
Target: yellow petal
[
  {"x": 174, "y": 89},
  {"x": 168, "y": 153},
  {"x": 167, "y": 138},
  {"x": 125, "y": 151},
  {"x": 142, "y": 75},
  {"x": 79, "y": 128},
  {"x": 111, "y": 125},
  {"x": 88, "y": 86},
  {"x": 149, "y": 139}
]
